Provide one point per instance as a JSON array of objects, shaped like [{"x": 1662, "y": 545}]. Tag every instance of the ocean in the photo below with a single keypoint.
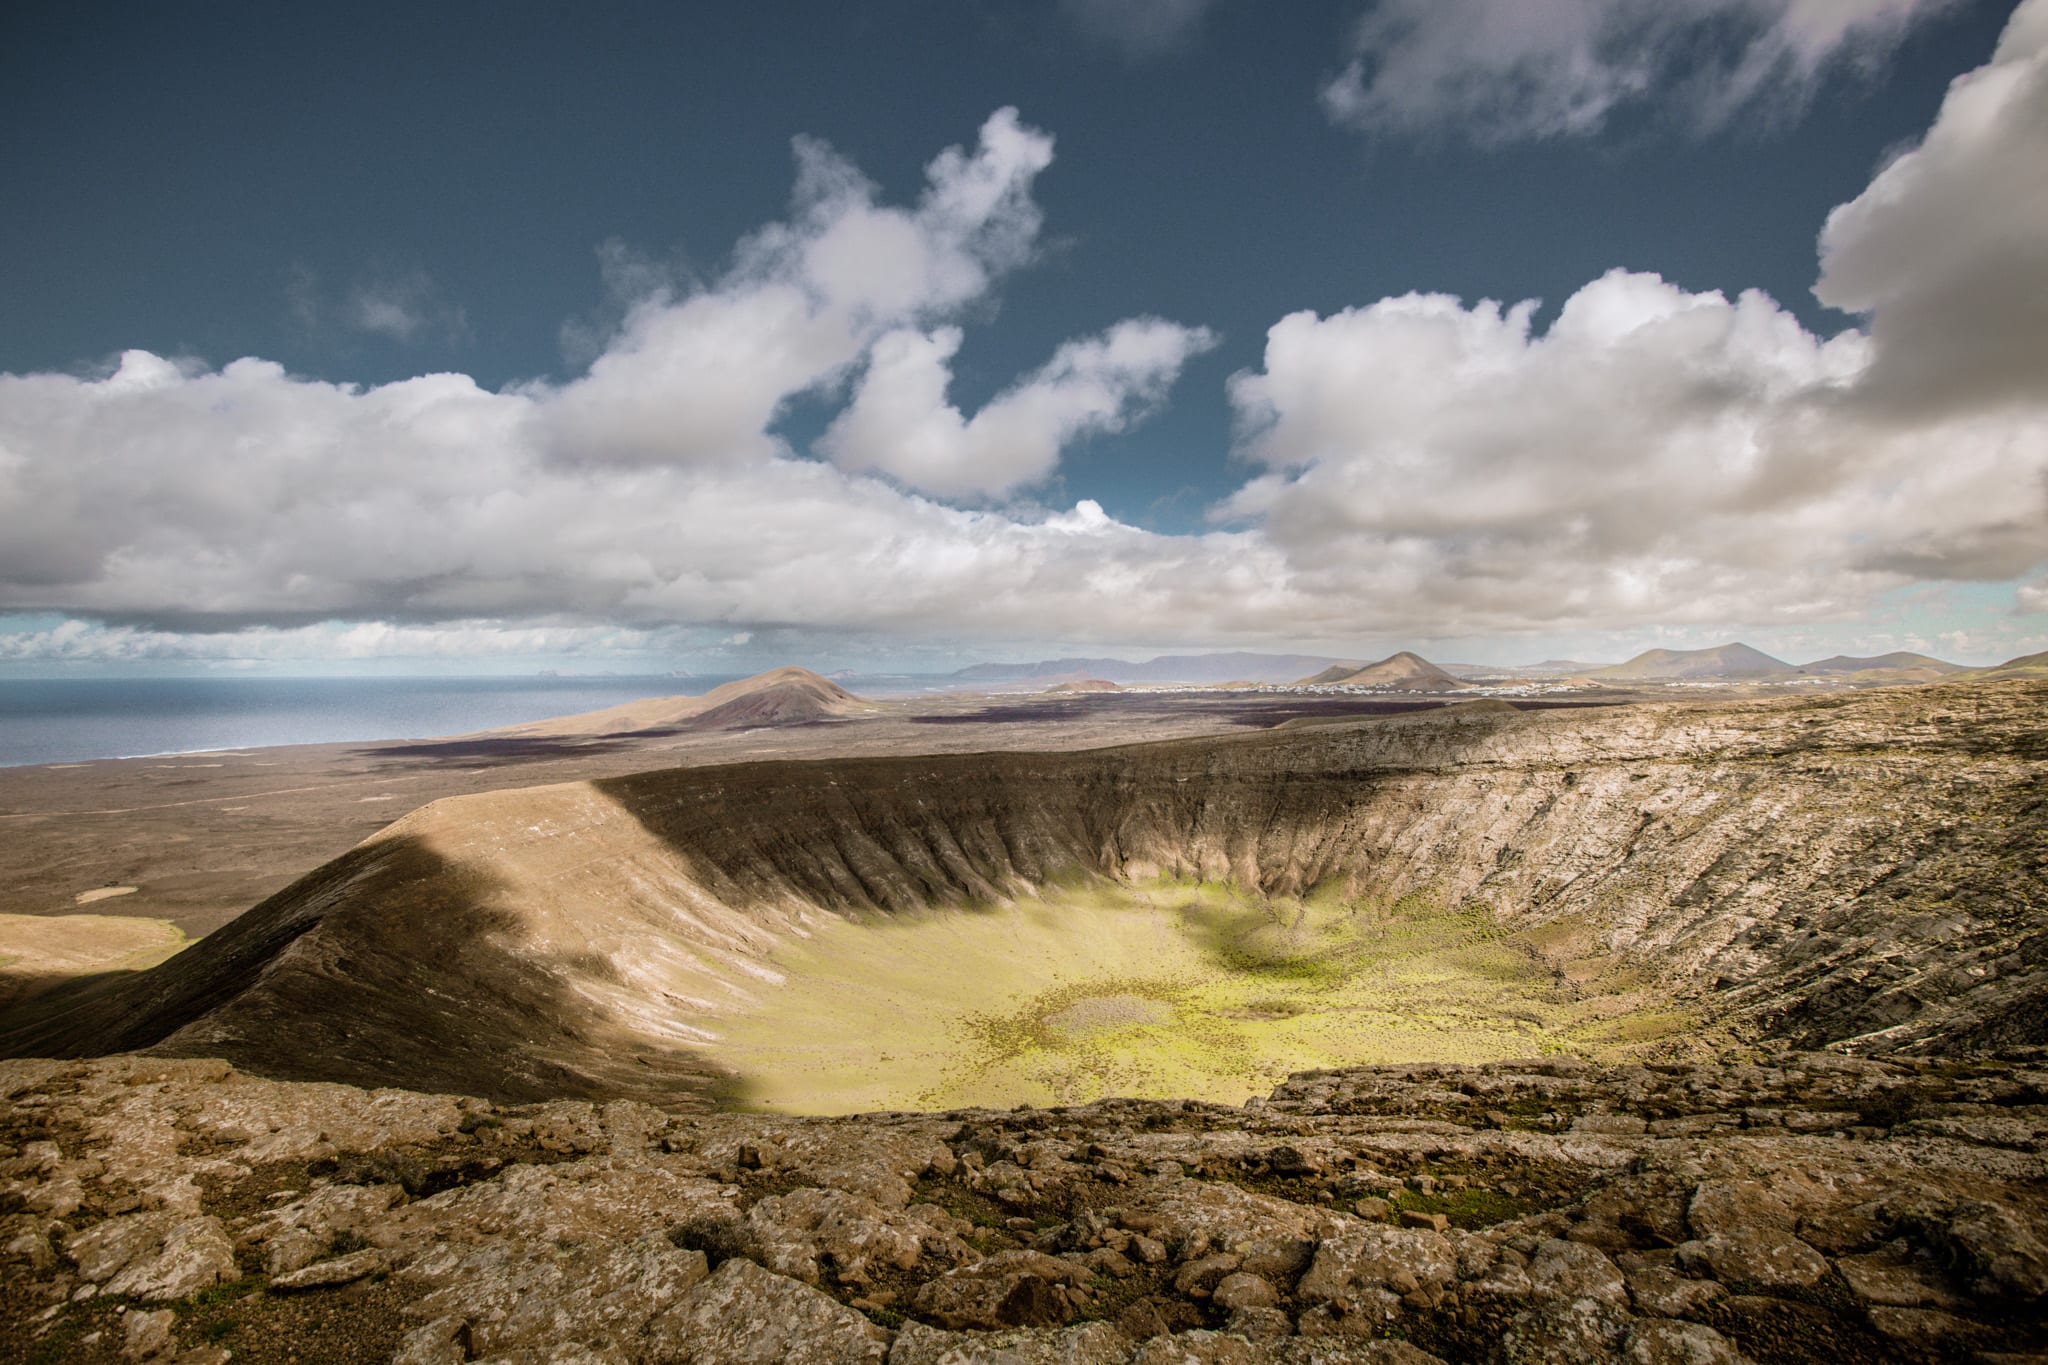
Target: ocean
[{"x": 69, "y": 721}]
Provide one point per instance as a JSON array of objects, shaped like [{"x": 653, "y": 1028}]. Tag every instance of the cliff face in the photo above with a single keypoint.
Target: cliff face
[{"x": 1866, "y": 871}]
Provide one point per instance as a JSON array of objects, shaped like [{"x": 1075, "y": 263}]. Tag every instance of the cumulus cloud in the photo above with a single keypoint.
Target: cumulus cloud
[
  {"x": 900, "y": 423},
  {"x": 1947, "y": 250},
  {"x": 1656, "y": 454},
  {"x": 181, "y": 499},
  {"x": 1139, "y": 28},
  {"x": 1501, "y": 71},
  {"x": 699, "y": 378}
]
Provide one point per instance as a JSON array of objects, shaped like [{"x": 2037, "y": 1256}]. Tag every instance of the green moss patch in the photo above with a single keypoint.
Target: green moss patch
[{"x": 1162, "y": 989}]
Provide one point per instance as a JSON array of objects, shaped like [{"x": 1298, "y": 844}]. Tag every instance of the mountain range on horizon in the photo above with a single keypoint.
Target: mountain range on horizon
[
  {"x": 1733, "y": 661},
  {"x": 1237, "y": 666}
]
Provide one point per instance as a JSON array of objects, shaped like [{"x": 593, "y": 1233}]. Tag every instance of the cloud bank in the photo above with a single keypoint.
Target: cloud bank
[{"x": 1419, "y": 467}]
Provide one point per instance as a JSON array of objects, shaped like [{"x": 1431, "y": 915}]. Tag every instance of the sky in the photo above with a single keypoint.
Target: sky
[{"x": 495, "y": 337}]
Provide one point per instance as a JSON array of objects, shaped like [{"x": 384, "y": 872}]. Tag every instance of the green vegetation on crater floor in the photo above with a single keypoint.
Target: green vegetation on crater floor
[{"x": 1162, "y": 989}]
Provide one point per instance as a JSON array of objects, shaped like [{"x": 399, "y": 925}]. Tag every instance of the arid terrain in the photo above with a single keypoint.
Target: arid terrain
[{"x": 1292, "y": 1026}]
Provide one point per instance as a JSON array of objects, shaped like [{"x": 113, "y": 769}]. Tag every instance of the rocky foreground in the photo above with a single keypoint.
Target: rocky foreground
[{"x": 1795, "y": 1208}]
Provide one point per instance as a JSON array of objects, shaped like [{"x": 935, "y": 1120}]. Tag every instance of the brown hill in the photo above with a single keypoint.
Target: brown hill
[
  {"x": 1722, "y": 661},
  {"x": 1897, "y": 659},
  {"x": 2025, "y": 666},
  {"x": 1402, "y": 672},
  {"x": 782, "y": 696},
  {"x": 1899, "y": 666},
  {"x": 1085, "y": 685}
]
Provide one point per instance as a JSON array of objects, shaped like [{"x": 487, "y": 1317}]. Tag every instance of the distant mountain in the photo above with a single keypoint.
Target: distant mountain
[
  {"x": 1722, "y": 661},
  {"x": 1085, "y": 685},
  {"x": 1899, "y": 666},
  {"x": 1182, "y": 668},
  {"x": 2026, "y": 666},
  {"x": 1403, "y": 672},
  {"x": 781, "y": 696}
]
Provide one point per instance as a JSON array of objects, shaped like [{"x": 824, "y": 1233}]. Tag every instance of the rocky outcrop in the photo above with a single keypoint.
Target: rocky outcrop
[
  {"x": 1773, "y": 1208},
  {"x": 1865, "y": 872}
]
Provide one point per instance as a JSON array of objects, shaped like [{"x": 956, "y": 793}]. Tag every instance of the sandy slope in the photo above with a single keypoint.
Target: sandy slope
[{"x": 783, "y": 696}]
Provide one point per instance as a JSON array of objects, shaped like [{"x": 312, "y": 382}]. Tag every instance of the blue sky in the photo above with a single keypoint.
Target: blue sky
[{"x": 396, "y": 336}]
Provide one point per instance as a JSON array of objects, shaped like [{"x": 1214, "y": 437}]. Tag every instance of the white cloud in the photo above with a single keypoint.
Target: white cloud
[
  {"x": 1139, "y": 28},
  {"x": 1947, "y": 250},
  {"x": 1655, "y": 455},
  {"x": 699, "y": 379},
  {"x": 900, "y": 423},
  {"x": 246, "y": 495},
  {"x": 1501, "y": 71}
]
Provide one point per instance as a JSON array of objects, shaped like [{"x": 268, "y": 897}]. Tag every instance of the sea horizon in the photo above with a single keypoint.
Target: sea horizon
[{"x": 85, "y": 720}]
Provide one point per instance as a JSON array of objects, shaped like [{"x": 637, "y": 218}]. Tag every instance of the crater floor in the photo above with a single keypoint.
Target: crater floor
[{"x": 1162, "y": 989}]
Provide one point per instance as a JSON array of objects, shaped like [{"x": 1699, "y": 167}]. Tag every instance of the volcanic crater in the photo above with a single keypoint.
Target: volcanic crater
[{"x": 1472, "y": 883}]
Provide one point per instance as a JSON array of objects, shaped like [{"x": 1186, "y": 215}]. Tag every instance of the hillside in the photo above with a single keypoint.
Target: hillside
[
  {"x": 2026, "y": 666},
  {"x": 1897, "y": 659},
  {"x": 1722, "y": 661},
  {"x": 782, "y": 696},
  {"x": 1802, "y": 871},
  {"x": 1402, "y": 672},
  {"x": 1899, "y": 666}
]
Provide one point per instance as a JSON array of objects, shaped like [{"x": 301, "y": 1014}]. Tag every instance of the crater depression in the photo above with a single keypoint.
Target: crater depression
[{"x": 1194, "y": 918}]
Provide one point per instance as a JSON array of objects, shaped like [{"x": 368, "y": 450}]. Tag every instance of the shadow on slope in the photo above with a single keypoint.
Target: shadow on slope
[{"x": 388, "y": 966}]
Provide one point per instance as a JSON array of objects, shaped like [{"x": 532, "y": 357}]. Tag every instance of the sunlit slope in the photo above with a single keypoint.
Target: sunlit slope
[
  {"x": 1865, "y": 869},
  {"x": 781, "y": 696}
]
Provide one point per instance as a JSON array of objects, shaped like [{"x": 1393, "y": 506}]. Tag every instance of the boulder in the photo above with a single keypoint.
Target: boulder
[
  {"x": 1094, "y": 1343},
  {"x": 1678, "y": 1343},
  {"x": 1574, "y": 1270},
  {"x": 1369, "y": 1271},
  {"x": 744, "y": 1315},
  {"x": 195, "y": 1255},
  {"x": 1758, "y": 1257},
  {"x": 1008, "y": 1289}
]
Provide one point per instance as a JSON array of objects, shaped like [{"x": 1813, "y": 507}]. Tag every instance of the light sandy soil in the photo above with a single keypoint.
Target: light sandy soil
[{"x": 37, "y": 951}]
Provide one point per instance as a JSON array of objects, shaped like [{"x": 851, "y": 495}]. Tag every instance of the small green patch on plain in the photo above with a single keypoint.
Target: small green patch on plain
[
  {"x": 1478, "y": 1207},
  {"x": 1165, "y": 989}
]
